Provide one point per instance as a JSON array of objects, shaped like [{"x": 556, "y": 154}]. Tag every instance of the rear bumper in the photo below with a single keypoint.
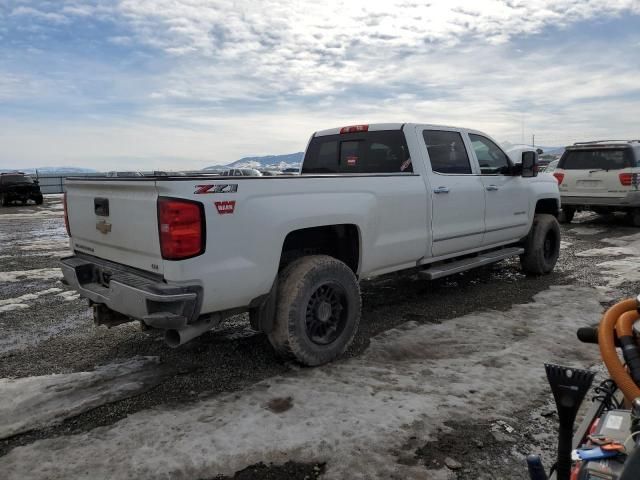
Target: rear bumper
[
  {"x": 631, "y": 199},
  {"x": 131, "y": 293}
]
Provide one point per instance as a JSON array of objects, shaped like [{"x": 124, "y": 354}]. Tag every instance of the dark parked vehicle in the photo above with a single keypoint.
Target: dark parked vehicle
[{"x": 18, "y": 187}]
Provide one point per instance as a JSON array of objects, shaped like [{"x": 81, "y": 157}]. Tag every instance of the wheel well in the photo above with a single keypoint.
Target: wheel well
[
  {"x": 548, "y": 205},
  {"x": 339, "y": 241}
]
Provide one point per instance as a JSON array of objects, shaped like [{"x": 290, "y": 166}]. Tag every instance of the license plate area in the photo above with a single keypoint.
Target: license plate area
[
  {"x": 89, "y": 273},
  {"x": 589, "y": 183}
]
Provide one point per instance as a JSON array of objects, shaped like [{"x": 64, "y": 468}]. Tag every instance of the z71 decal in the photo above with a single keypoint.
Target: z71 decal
[
  {"x": 225, "y": 208},
  {"x": 218, "y": 188}
]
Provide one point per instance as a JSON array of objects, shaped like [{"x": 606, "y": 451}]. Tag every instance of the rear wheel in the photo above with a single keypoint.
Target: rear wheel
[
  {"x": 566, "y": 214},
  {"x": 39, "y": 200},
  {"x": 3, "y": 200},
  {"x": 542, "y": 246},
  {"x": 318, "y": 310}
]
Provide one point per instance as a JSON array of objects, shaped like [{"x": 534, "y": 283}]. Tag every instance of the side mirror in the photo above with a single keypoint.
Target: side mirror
[{"x": 529, "y": 164}]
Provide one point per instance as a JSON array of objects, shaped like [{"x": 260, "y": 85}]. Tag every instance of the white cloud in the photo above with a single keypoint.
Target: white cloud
[
  {"x": 230, "y": 78},
  {"x": 39, "y": 14}
]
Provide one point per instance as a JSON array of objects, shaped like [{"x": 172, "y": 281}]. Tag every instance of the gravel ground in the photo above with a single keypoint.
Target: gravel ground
[{"x": 53, "y": 334}]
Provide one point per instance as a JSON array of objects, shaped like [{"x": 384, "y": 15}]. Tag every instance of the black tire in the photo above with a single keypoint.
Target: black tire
[
  {"x": 317, "y": 311},
  {"x": 39, "y": 200},
  {"x": 566, "y": 214},
  {"x": 601, "y": 210},
  {"x": 3, "y": 200},
  {"x": 634, "y": 217},
  {"x": 542, "y": 246}
]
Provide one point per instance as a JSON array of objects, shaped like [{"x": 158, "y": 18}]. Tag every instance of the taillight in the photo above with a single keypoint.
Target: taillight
[
  {"x": 181, "y": 227},
  {"x": 66, "y": 213},
  {"x": 628, "y": 179},
  {"x": 354, "y": 129},
  {"x": 559, "y": 176}
]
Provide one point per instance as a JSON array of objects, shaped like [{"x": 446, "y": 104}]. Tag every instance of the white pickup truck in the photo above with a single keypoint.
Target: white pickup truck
[{"x": 183, "y": 253}]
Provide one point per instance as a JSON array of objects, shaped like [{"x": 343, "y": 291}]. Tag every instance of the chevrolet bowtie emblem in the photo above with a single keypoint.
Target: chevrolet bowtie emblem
[{"x": 103, "y": 227}]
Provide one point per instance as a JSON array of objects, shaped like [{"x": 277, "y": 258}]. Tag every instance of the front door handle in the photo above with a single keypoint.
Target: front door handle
[
  {"x": 492, "y": 188},
  {"x": 441, "y": 190}
]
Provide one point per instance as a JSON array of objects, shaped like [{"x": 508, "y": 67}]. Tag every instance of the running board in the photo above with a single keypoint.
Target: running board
[{"x": 444, "y": 269}]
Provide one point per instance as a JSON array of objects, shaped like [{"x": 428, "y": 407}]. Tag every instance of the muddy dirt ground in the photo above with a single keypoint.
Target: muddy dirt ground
[{"x": 48, "y": 333}]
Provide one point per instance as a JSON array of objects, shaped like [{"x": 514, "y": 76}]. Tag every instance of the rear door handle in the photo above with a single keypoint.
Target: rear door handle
[
  {"x": 441, "y": 190},
  {"x": 492, "y": 188}
]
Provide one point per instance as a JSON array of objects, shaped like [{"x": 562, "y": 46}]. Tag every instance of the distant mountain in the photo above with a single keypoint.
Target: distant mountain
[
  {"x": 289, "y": 160},
  {"x": 50, "y": 170}
]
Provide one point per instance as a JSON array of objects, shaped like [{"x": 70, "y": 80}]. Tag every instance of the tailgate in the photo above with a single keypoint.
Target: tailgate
[
  {"x": 586, "y": 182},
  {"x": 116, "y": 220}
]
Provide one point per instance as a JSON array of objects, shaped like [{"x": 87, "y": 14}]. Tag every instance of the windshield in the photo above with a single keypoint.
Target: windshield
[
  {"x": 597, "y": 159},
  {"x": 16, "y": 179}
]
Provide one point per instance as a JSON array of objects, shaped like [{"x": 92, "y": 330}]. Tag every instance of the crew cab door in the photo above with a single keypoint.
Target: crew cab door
[
  {"x": 457, "y": 193},
  {"x": 507, "y": 199}
]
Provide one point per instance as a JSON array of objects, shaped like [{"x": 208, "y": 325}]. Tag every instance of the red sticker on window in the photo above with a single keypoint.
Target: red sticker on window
[
  {"x": 352, "y": 160},
  {"x": 227, "y": 207}
]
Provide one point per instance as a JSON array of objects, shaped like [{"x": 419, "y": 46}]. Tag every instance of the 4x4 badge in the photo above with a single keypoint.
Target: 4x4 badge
[{"x": 103, "y": 227}]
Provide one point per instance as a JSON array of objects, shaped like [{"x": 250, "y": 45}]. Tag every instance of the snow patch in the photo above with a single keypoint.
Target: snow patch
[
  {"x": 617, "y": 272},
  {"x": 9, "y": 307},
  {"x": 69, "y": 295},
  {"x": 564, "y": 244},
  {"x": 35, "y": 274},
  {"x": 29, "y": 296},
  {"x": 57, "y": 244},
  {"x": 15, "y": 338},
  {"x": 355, "y": 412},
  {"x": 607, "y": 252},
  {"x": 34, "y": 214},
  {"x": 586, "y": 230},
  {"x": 36, "y": 402}
]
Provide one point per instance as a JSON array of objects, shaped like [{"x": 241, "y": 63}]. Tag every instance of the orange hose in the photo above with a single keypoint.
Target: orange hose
[
  {"x": 624, "y": 325},
  {"x": 606, "y": 341}
]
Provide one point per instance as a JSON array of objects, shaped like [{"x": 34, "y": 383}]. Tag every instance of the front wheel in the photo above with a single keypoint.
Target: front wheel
[
  {"x": 318, "y": 310},
  {"x": 542, "y": 246},
  {"x": 39, "y": 200}
]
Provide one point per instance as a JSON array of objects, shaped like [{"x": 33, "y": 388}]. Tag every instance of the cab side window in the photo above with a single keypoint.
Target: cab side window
[
  {"x": 447, "y": 152},
  {"x": 491, "y": 158}
]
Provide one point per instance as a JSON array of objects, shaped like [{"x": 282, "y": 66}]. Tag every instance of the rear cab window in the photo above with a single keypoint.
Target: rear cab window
[
  {"x": 597, "y": 159},
  {"x": 383, "y": 151}
]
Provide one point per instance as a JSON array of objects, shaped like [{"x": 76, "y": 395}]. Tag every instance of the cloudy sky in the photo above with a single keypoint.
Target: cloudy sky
[{"x": 189, "y": 83}]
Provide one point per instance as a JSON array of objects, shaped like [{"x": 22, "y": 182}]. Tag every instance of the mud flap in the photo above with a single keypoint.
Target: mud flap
[{"x": 262, "y": 316}]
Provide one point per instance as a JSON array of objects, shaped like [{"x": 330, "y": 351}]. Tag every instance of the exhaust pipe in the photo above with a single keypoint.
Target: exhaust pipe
[{"x": 176, "y": 337}]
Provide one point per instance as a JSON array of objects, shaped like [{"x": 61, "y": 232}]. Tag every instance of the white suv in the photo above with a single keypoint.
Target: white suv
[{"x": 600, "y": 176}]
